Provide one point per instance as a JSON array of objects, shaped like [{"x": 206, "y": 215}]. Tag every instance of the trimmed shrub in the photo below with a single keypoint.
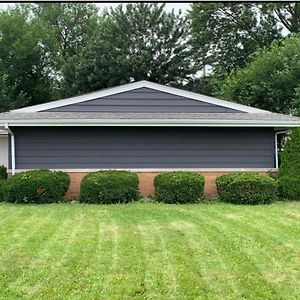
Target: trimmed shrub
[
  {"x": 64, "y": 180},
  {"x": 3, "y": 172},
  {"x": 247, "y": 188},
  {"x": 289, "y": 187},
  {"x": 290, "y": 156},
  {"x": 108, "y": 187},
  {"x": 178, "y": 187},
  {"x": 2, "y": 189},
  {"x": 37, "y": 186}
]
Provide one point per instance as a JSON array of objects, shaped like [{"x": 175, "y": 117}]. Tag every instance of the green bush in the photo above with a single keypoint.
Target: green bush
[
  {"x": 3, "y": 172},
  {"x": 289, "y": 170},
  {"x": 37, "y": 186},
  {"x": 247, "y": 188},
  {"x": 178, "y": 187},
  {"x": 2, "y": 189},
  {"x": 64, "y": 180},
  {"x": 107, "y": 187},
  {"x": 289, "y": 187},
  {"x": 290, "y": 156}
]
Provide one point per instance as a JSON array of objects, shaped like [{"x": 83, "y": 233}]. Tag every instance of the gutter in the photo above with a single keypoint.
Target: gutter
[
  {"x": 276, "y": 146},
  {"x": 13, "y": 148}
]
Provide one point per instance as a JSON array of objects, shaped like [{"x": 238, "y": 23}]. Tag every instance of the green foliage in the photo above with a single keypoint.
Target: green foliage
[
  {"x": 37, "y": 186},
  {"x": 225, "y": 35},
  {"x": 72, "y": 25},
  {"x": 24, "y": 61},
  {"x": 289, "y": 187},
  {"x": 2, "y": 189},
  {"x": 136, "y": 42},
  {"x": 247, "y": 188},
  {"x": 178, "y": 187},
  {"x": 108, "y": 187},
  {"x": 270, "y": 81},
  {"x": 286, "y": 13},
  {"x": 64, "y": 180},
  {"x": 289, "y": 170},
  {"x": 3, "y": 172},
  {"x": 290, "y": 156},
  {"x": 53, "y": 50}
]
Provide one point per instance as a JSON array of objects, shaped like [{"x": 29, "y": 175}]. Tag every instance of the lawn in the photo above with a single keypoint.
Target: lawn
[{"x": 150, "y": 251}]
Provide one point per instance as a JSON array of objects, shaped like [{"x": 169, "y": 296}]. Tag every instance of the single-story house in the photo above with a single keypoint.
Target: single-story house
[{"x": 147, "y": 128}]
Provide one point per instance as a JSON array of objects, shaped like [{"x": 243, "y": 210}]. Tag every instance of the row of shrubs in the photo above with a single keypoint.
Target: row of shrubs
[{"x": 44, "y": 186}]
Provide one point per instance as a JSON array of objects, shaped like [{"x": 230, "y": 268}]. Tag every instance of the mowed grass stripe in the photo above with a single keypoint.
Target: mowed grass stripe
[
  {"x": 240, "y": 264},
  {"x": 267, "y": 250},
  {"x": 25, "y": 241},
  {"x": 150, "y": 251}
]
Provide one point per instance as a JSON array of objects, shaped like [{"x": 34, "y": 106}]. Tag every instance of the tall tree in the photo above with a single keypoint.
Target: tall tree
[
  {"x": 271, "y": 81},
  {"x": 225, "y": 35},
  {"x": 72, "y": 25},
  {"x": 140, "y": 41},
  {"x": 25, "y": 72}
]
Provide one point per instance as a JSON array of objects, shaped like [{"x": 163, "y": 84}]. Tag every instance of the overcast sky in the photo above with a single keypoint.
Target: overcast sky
[{"x": 169, "y": 6}]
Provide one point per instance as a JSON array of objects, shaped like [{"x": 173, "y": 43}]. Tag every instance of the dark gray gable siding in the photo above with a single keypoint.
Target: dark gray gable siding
[
  {"x": 148, "y": 147},
  {"x": 144, "y": 100}
]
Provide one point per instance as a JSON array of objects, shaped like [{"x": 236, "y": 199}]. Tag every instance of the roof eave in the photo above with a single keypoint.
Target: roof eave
[{"x": 153, "y": 122}]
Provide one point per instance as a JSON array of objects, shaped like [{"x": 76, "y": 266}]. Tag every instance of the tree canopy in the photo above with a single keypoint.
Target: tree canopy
[
  {"x": 141, "y": 41},
  {"x": 225, "y": 35},
  {"x": 271, "y": 81},
  {"x": 25, "y": 66},
  {"x": 52, "y": 50}
]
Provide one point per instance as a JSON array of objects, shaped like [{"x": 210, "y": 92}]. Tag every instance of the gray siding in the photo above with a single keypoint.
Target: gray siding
[
  {"x": 148, "y": 147},
  {"x": 144, "y": 100}
]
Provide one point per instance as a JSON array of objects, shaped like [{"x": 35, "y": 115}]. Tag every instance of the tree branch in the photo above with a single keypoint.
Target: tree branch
[
  {"x": 282, "y": 19},
  {"x": 241, "y": 25}
]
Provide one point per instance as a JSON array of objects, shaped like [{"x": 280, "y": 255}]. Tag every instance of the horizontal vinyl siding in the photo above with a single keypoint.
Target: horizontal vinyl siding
[
  {"x": 132, "y": 147},
  {"x": 144, "y": 100}
]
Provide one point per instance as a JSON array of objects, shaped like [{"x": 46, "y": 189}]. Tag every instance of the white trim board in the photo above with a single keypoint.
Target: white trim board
[
  {"x": 154, "y": 122},
  {"x": 136, "y": 85}
]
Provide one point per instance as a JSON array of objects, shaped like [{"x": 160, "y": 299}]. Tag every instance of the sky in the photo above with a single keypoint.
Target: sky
[{"x": 169, "y": 6}]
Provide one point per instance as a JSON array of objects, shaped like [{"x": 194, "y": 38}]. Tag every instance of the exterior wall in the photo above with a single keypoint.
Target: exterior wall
[
  {"x": 143, "y": 147},
  {"x": 144, "y": 100},
  {"x": 146, "y": 183},
  {"x": 4, "y": 150}
]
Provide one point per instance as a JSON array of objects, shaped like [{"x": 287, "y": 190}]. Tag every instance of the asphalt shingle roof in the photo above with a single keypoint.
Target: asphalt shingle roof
[{"x": 9, "y": 116}]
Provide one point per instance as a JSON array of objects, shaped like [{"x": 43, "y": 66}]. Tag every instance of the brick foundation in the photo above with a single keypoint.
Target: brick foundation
[{"x": 146, "y": 183}]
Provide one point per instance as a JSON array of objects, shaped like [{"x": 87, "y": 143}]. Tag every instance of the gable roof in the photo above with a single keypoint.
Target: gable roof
[
  {"x": 236, "y": 115},
  {"x": 136, "y": 85}
]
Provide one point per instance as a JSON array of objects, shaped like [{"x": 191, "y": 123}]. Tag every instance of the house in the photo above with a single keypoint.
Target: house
[{"x": 147, "y": 128}]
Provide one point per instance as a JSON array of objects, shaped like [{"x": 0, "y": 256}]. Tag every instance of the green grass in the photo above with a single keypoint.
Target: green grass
[{"x": 150, "y": 251}]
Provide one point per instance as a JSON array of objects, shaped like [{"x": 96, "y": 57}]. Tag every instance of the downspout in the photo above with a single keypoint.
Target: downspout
[
  {"x": 276, "y": 146},
  {"x": 13, "y": 151}
]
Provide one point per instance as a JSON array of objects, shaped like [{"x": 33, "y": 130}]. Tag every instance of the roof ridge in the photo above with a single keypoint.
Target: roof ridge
[{"x": 136, "y": 85}]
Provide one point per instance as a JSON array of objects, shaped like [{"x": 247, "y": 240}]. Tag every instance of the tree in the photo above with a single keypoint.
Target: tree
[
  {"x": 139, "y": 42},
  {"x": 225, "y": 35},
  {"x": 24, "y": 63},
  {"x": 271, "y": 81},
  {"x": 286, "y": 13},
  {"x": 72, "y": 25}
]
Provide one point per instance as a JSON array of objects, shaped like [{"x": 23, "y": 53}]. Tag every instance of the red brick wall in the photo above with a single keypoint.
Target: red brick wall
[{"x": 146, "y": 183}]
